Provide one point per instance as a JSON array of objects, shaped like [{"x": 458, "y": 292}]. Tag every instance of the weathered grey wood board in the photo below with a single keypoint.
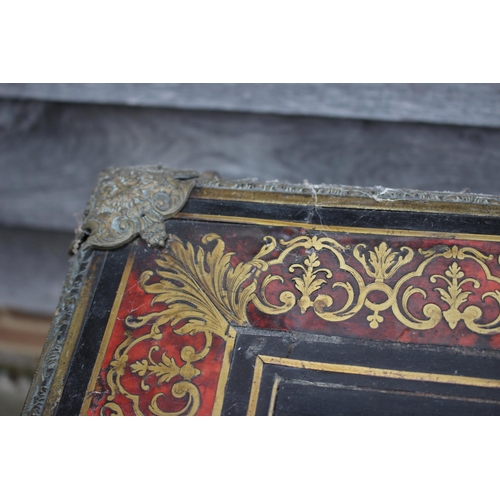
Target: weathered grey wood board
[
  {"x": 33, "y": 267},
  {"x": 51, "y": 154},
  {"x": 56, "y": 138},
  {"x": 458, "y": 104}
]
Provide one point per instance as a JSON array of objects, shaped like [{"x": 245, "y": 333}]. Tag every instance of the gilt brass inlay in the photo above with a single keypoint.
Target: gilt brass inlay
[
  {"x": 204, "y": 292},
  {"x": 369, "y": 371},
  {"x": 379, "y": 265}
]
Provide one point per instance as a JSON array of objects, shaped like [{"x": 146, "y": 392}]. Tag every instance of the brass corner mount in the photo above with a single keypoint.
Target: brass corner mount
[{"x": 133, "y": 201}]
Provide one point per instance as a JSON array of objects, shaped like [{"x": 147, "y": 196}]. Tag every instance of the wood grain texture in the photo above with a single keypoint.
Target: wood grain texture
[
  {"x": 458, "y": 104},
  {"x": 33, "y": 266},
  {"x": 50, "y": 166}
]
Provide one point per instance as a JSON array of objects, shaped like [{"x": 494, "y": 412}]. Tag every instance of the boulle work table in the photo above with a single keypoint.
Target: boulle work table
[{"x": 189, "y": 295}]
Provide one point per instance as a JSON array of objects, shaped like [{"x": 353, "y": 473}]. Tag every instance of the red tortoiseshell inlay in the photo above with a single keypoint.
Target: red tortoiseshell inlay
[
  {"x": 137, "y": 303},
  {"x": 245, "y": 241}
]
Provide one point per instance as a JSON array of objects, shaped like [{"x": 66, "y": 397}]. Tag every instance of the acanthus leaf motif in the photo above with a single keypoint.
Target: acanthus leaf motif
[{"x": 204, "y": 293}]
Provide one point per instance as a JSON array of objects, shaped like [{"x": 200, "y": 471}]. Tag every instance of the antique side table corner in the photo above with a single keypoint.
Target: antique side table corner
[{"x": 189, "y": 295}]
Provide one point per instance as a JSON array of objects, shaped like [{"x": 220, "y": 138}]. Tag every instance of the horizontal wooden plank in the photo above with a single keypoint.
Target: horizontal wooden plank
[
  {"x": 13, "y": 391},
  {"x": 22, "y": 337},
  {"x": 33, "y": 267},
  {"x": 50, "y": 160},
  {"x": 459, "y": 104}
]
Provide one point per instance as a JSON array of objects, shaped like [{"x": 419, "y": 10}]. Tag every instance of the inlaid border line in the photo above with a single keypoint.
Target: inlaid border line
[
  {"x": 109, "y": 330},
  {"x": 262, "y": 360},
  {"x": 337, "y": 229}
]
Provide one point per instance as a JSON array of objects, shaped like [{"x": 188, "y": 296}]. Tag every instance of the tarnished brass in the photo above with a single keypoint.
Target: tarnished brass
[
  {"x": 202, "y": 292},
  {"x": 49, "y": 376},
  {"x": 128, "y": 202},
  {"x": 327, "y": 195},
  {"x": 132, "y": 201}
]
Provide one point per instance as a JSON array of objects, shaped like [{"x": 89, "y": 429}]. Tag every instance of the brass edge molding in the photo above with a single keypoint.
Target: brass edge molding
[
  {"x": 348, "y": 196},
  {"x": 51, "y": 352},
  {"x": 74, "y": 330},
  {"x": 133, "y": 201},
  {"x": 263, "y": 360}
]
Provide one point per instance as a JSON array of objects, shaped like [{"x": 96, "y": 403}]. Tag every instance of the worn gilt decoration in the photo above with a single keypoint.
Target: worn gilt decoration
[
  {"x": 159, "y": 327},
  {"x": 134, "y": 201},
  {"x": 205, "y": 292}
]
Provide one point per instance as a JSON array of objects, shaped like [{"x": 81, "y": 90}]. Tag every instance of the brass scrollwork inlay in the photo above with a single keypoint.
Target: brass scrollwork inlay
[
  {"x": 380, "y": 264},
  {"x": 204, "y": 293}
]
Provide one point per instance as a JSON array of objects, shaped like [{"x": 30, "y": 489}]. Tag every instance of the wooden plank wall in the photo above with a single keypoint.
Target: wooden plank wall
[{"x": 56, "y": 138}]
